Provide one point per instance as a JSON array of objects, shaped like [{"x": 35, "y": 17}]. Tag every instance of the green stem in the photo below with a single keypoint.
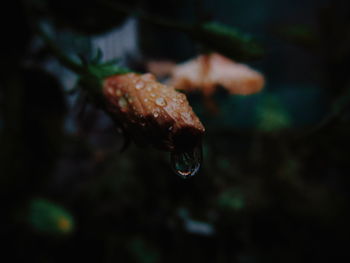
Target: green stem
[{"x": 59, "y": 54}]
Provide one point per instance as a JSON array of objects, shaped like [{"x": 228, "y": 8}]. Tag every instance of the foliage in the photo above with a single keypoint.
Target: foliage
[
  {"x": 49, "y": 218},
  {"x": 273, "y": 186}
]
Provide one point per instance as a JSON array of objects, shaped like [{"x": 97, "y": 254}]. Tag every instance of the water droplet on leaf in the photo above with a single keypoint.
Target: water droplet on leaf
[
  {"x": 110, "y": 90},
  {"x": 118, "y": 92},
  {"x": 160, "y": 102},
  {"x": 139, "y": 85},
  {"x": 122, "y": 103},
  {"x": 186, "y": 164}
]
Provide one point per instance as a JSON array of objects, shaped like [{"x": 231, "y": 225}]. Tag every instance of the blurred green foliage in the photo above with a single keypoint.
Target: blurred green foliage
[
  {"x": 274, "y": 183},
  {"x": 271, "y": 115},
  {"x": 142, "y": 251},
  {"x": 231, "y": 199},
  {"x": 48, "y": 218}
]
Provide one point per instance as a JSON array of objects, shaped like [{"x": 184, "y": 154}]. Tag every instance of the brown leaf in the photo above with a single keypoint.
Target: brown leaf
[
  {"x": 152, "y": 113},
  {"x": 207, "y": 72}
]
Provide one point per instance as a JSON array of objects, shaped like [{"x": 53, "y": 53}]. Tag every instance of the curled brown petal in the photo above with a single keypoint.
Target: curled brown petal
[
  {"x": 207, "y": 72},
  {"x": 152, "y": 112}
]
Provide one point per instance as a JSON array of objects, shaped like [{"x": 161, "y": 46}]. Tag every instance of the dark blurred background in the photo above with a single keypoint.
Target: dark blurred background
[{"x": 274, "y": 181}]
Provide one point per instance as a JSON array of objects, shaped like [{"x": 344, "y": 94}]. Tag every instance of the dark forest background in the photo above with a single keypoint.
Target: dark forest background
[{"x": 273, "y": 186}]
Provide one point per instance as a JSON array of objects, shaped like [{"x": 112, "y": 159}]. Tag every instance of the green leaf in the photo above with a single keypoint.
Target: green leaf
[
  {"x": 49, "y": 218},
  {"x": 105, "y": 70}
]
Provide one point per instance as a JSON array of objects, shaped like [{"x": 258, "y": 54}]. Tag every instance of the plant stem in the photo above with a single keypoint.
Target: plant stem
[{"x": 59, "y": 54}]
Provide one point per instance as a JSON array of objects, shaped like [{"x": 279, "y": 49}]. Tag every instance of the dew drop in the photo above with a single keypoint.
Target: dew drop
[
  {"x": 145, "y": 100},
  {"x": 139, "y": 85},
  {"x": 118, "y": 92},
  {"x": 161, "y": 102},
  {"x": 155, "y": 114},
  {"x": 110, "y": 90},
  {"x": 122, "y": 103},
  {"x": 186, "y": 164},
  {"x": 153, "y": 95}
]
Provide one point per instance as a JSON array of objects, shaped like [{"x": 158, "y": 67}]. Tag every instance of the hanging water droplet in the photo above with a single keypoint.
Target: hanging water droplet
[
  {"x": 161, "y": 102},
  {"x": 186, "y": 164},
  {"x": 155, "y": 114}
]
